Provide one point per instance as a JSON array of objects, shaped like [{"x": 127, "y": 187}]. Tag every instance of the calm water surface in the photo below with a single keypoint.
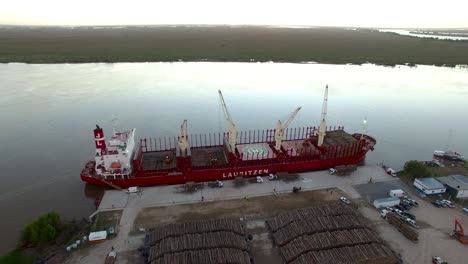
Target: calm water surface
[{"x": 47, "y": 113}]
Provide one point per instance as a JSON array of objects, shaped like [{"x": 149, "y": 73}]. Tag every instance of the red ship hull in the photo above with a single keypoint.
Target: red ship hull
[{"x": 348, "y": 153}]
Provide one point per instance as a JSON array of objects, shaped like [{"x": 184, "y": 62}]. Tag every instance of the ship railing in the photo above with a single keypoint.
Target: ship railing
[
  {"x": 217, "y": 139},
  {"x": 115, "y": 175},
  {"x": 214, "y": 166}
]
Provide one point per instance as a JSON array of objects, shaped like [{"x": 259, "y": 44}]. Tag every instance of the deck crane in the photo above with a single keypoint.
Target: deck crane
[
  {"x": 280, "y": 128},
  {"x": 323, "y": 123},
  {"x": 183, "y": 138},
  {"x": 232, "y": 127}
]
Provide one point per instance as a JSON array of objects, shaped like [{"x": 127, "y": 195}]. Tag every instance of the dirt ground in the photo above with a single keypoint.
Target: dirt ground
[
  {"x": 264, "y": 206},
  {"x": 435, "y": 224}
]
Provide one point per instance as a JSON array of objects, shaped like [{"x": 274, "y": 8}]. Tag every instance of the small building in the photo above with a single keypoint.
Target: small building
[
  {"x": 386, "y": 202},
  {"x": 396, "y": 193},
  {"x": 457, "y": 185},
  {"x": 429, "y": 186}
]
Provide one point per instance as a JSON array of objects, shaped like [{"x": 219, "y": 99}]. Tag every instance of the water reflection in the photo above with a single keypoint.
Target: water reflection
[{"x": 48, "y": 113}]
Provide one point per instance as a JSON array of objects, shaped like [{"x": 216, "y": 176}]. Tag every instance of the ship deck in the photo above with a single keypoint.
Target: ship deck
[
  {"x": 338, "y": 137},
  {"x": 204, "y": 154},
  {"x": 298, "y": 147},
  {"x": 155, "y": 160},
  {"x": 255, "y": 151},
  {"x": 208, "y": 156}
]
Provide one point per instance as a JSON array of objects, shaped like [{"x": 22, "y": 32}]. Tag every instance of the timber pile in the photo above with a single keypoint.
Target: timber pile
[
  {"x": 404, "y": 228},
  {"x": 330, "y": 233},
  {"x": 217, "y": 255},
  {"x": 316, "y": 225},
  {"x": 197, "y": 227},
  {"x": 368, "y": 253},
  {"x": 331, "y": 209},
  {"x": 326, "y": 240},
  {"x": 209, "y": 241},
  {"x": 220, "y": 239}
]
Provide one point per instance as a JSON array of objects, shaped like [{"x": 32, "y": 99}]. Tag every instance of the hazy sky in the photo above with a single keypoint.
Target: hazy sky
[{"x": 356, "y": 13}]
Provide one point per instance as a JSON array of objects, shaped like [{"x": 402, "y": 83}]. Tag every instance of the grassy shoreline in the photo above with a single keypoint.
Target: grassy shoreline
[{"x": 223, "y": 44}]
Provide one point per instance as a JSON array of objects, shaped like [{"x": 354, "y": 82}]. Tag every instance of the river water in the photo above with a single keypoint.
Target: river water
[{"x": 47, "y": 113}]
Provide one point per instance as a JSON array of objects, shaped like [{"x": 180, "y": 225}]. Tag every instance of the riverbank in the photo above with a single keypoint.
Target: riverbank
[{"x": 223, "y": 43}]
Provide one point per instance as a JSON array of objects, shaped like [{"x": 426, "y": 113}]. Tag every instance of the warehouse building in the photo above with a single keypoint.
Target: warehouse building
[
  {"x": 429, "y": 186},
  {"x": 457, "y": 185}
]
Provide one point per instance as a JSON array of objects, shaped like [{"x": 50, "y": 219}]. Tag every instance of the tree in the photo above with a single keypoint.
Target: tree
[
  {"x": 53, "y": 219},
  {"x": 416, "y": 169},
  {"x": 43, "y": 229},
  {"x": 48, "y": 233}
]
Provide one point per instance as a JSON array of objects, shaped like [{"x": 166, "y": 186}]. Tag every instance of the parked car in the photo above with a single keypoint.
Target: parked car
[
  {"x": 411, "y": 222},
  {"x": 399, "y": 207},
  {"x": 436, "y": 203},
  {"x": 345, "y": 200},
  {"x": 390, "y": 209},
  {"x": 133, "y": 189},
  {"x": 465, "y": 209},
  {"x": 391, "y": 172},
  {"x": 409, "y": 205},
  {"x": 404, "y": 206},
  {"x": 442, "y": 203},
  {"x": 448, "y": 203},
  {"x": 413, "y": 202},
  {"x": 384, "y": 213},
  {"x": 272, "y": 177},
  {"x": 438, "y": 260},
  {"x": 259, "y": 179},
  {"x": 409, "y": 215}
]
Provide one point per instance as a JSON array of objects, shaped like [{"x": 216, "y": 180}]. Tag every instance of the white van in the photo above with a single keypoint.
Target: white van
[
  {"x": 133, "y": 190},
  {"x": 391, "y": 172}
]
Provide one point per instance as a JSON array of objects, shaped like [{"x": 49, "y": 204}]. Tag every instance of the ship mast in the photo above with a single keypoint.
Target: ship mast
[
  {"x": 279, "y": 132},
  {"x": 323, "y": 122},
  {"x": 364, "y": 127},
  {"x": 232, "y": 127},
  {"x": 183, "y": 138}
]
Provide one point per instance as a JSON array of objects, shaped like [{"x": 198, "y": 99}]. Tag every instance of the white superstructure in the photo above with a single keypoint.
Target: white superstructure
[{"x": 114, "y": 158}]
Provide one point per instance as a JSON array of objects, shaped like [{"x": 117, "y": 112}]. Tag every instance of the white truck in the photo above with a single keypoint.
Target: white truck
[{"x": 396, "y": 193}]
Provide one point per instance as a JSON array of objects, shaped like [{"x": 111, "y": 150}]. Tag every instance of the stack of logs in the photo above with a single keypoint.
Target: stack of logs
[
  {"x": 327, "y": 240},
  {"x": 404, "y": 228},
  {"x": 329, "y": 233},
  {"x": 369, "y": 254},
  {"x": 211, "y": 241}
]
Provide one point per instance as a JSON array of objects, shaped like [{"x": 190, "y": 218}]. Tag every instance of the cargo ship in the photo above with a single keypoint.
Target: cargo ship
[{"x": 123, "y": 162}]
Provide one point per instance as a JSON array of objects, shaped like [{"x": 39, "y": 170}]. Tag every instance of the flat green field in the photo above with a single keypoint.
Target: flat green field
[{"x": 223, "y": 43}]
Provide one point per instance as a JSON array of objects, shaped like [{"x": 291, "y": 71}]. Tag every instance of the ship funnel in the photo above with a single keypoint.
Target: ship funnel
[
  {"x": 323, "y": 122},
  {"x": 99, "y": 139}
]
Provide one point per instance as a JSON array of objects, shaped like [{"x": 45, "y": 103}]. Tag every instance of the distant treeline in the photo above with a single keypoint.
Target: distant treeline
[{"x": 143, "y": 44}]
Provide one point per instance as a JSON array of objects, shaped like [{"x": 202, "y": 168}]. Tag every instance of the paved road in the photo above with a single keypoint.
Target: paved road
[{"x": 165, "y": 195}]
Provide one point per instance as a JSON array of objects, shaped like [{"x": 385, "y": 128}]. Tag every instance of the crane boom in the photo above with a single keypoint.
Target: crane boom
[
  {"x": 227, "y": 116},
  {"x": 323, "y": 123},
  {"x": 183, "y": 138},
  {"x": 232, "y": 127},
  {"x": 279, "y": 132}
]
